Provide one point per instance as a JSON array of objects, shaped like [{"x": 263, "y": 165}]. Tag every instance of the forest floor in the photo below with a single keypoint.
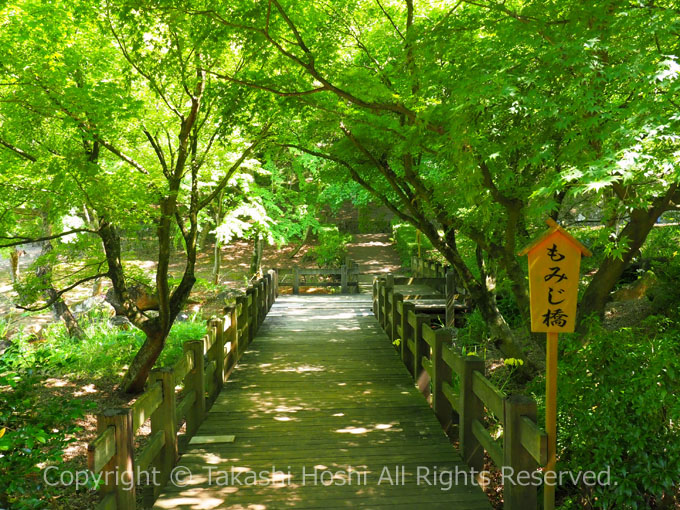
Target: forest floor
[{"x": 374, "y": 253}]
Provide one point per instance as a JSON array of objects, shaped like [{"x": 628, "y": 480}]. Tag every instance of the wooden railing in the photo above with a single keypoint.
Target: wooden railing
[
  {"x": 460, "y": 393},
  {"x": 202, "y": 370},
  {"x": 384, "y": 302},
  {"x": 427, "y": 268},
  {"x": 345, "y": 272}
]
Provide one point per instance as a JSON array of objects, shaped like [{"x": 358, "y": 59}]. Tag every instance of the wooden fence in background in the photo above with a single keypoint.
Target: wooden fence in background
[
  {"x": 347, "y": 273},
  {"x": 202, "y": 370}
]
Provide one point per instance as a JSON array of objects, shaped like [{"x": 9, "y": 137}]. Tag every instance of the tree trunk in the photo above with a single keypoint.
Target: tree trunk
[
  {"x": 217, "y": 264},
  {"x": 14, "y": 264},
  {"x": 143, "y": 362},
  {"x": 501, "y": 334},
  {"x": 256, "y": 261},
  {"x": 59, "y": 307},
  {"x": 302, "y": 243},
  {"x": 597, "y": 293}
]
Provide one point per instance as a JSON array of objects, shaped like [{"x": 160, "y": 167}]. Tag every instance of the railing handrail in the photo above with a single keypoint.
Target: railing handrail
[
  {"x": 422, "y": 349},
  {"x": 203, "y": 368}
]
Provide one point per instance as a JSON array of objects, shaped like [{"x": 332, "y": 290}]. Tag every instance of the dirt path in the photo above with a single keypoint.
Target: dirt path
[{"x": 374, "y": 253}]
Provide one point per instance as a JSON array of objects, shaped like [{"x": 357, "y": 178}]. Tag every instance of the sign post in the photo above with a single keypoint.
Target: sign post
[{"x": 554, "y": 264}]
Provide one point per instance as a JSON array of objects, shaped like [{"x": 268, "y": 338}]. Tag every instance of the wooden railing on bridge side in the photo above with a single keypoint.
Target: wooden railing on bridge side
[
  {"x": 346, "y": 272},
  {"x": 202, "y": 369},
  {"x": 424, "y": 268},
  {"x": 462, "y": 393}
]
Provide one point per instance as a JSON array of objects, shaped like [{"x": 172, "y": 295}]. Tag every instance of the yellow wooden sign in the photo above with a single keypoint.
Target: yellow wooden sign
[{"x": 554, "y": 264}]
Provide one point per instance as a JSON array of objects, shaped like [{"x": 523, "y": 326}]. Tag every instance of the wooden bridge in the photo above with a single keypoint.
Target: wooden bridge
[
  {"x": 304, "y": 402},
  {"x": 320, "y": 407}
]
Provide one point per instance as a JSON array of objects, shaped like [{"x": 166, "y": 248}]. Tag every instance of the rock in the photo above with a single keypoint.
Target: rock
[
  {"x": 121, "y": 322},
  {"x": 94, "y": 303},
  {"x": 34, "y": 332},
  {"x": 140, "y": 294},
  {"x": 638, "y": 289},
  {"x": 229, "y": 295},
  {"x": 182, "y": 317},
  {"x": 4, "y": 345}
]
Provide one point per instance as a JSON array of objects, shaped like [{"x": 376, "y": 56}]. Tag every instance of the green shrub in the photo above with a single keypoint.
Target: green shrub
[
  {"x": 332, "y": 248},
  {"x": 404, "y": 236},
  {"x": 618, "y": 409},
  {"x": 105, "y": 351},
  {"x": 34, "y": 430},
  {"x": 474, "y": 336},
  {"x": 36, "y": 427}
]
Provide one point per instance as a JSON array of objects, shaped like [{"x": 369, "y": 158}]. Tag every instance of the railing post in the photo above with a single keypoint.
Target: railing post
[
  {"x": 263, "y": 299},
  {"x": 256, "y": 308},
  {"x": 231, "y": 338},
  {"x": 407, "y": 332},
  {"x": 343, "y": 279},
  {"x": 268, "y": 281},
  {"x": 242, "y": 341},
  {"x": 195, "y": 380},
  {"x": 217, "y": 325},
  {"x": 121, "y": 466},
  {"x": 251, "y": 317},
  {"x": 518, "y": 496},
  {"x": 381, "y": 302},
  {"x": 414, "y": 265},
  {"x": 396, "y": 320},
  {"x": 472, "y": 409},
  {"x": 420, "y": 345},
  {"x": 375, "y": 296},
  {"x": 296, "y": 280},
  {"x": 441, "y": 372},
  {"x": 164, "y": 419},
  {"x": 259, "y": 287},
  {"x": 450, "y": 298},
  {"x": 353, "y": 276},
  {"x": 389, "y": 293}
]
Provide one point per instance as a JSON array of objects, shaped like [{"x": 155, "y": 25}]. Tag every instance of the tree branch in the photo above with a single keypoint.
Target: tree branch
[
  {"x": 150, "y": 79},
  {"x": 203, "y": 203},
  {"x": 61, "y": 293},
  {"x": 159, "y": 152},
  {"x": 29, "y": 240},
  {"x": 391, "y": 20},
  {"x": 123, "y": 156},
  {"x": 357, "y": 178},
  {"x": 18, "y": 151},
  {"x": 268, "y": 89}
]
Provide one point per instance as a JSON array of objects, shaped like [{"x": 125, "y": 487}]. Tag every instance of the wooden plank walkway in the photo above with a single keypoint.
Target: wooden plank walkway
[{"x": 324, "y": 415}]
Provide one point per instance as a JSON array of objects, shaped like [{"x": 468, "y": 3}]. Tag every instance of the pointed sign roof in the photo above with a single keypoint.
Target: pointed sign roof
[{"x": 555, "y": 228}]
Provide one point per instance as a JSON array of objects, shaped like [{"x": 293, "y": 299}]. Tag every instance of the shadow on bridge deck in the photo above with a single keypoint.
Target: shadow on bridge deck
[{"x": 321, "y": 413}]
